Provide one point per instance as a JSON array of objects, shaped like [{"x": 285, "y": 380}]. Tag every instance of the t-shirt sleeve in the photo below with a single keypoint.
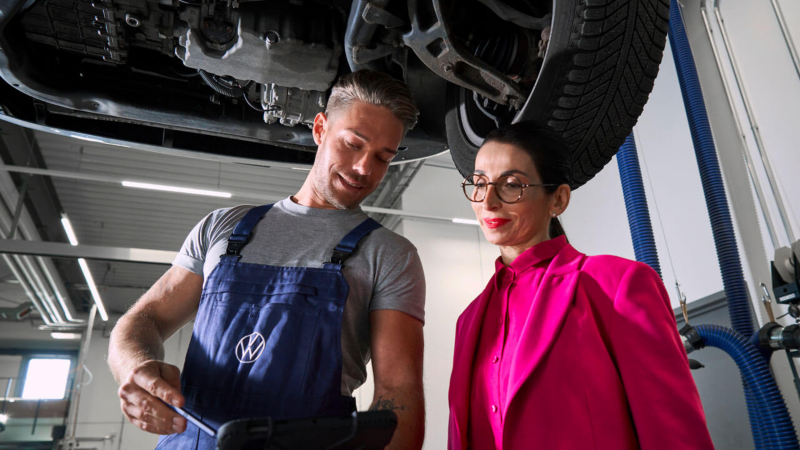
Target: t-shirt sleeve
[
  {"x": 192, "y": 255},
  {"x": 401, "y": 286}
]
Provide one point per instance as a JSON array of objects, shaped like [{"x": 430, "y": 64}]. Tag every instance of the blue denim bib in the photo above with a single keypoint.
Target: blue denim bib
[{"x": 266, "y": 340}]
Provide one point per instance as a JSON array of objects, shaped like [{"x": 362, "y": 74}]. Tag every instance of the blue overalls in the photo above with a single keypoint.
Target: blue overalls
[{"x": 266, "y": 340}]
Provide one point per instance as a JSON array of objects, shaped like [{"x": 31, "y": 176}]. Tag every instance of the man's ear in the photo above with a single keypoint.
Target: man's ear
[{"x": 319, "y": 128}]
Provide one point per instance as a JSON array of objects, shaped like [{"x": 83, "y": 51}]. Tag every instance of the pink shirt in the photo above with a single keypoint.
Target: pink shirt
[
  {"x": 506, "y": 315},
  {"x": 599, "y": 364}
]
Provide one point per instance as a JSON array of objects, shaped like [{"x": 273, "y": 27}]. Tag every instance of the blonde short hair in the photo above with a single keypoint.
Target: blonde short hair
[{"x": 374, "y": 88}]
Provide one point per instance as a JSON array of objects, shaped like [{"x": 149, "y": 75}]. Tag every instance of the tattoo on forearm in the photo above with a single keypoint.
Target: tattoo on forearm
[{"x": 386, "y": 404}]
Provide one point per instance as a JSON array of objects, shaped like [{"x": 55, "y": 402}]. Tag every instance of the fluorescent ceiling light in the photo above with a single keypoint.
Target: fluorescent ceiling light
[
  {"x": 86, "y": 274},
  {"x": 70, "y": 232},
  {"x": 182, "y": 190},
  {"x": 93, "y": 289},
  {"x": 466, "y": 221},
  {"x": 60, "y": 335}
]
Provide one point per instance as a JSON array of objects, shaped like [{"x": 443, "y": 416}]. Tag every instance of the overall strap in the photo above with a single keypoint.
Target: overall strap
[
  {"x": 241, "y": 233},
  {"x": 350, "y": 242}
]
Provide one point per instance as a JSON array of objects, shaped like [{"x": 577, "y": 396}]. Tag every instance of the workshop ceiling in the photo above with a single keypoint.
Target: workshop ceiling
[{"x": 87, "y": 188}]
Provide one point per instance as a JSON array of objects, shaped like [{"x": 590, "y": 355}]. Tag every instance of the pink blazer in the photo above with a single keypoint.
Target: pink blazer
[{"x": 600, "y": 365}]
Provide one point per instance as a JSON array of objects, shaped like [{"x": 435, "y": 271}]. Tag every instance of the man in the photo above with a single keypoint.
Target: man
[{"x": 290, "y": 302}]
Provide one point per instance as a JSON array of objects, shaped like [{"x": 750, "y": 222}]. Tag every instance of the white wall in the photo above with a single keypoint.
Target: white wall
[
  {"x": 9, "y": 368},
  {"x": 773, "y": 86}
]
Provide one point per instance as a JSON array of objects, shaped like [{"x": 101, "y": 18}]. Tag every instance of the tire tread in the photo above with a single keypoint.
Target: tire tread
[
  {"x": 612, "y": 60},
  {"x": 617, "y": 52}
]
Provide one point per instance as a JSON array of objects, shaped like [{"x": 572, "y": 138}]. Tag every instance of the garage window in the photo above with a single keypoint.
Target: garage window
[{"x": 46, "y": 378}]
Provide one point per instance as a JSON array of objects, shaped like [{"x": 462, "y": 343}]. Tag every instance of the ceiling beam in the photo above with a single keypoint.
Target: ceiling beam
[{"x": 95, "y": 252}]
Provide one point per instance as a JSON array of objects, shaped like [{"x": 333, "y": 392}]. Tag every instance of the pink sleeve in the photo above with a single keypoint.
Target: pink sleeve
[
  {"x": 452, "y": 432},
  {"x": 452, "y": 427},
  {"x": 653, "y": 364}
]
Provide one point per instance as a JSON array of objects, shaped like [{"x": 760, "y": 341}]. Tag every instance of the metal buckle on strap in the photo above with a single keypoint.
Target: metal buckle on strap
[
  {"x": 235, "y": 246},
  {"x": 339, "y": 257}
]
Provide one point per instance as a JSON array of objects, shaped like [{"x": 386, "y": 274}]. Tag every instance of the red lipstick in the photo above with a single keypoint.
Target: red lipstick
[{"x": 495, "y": 223}]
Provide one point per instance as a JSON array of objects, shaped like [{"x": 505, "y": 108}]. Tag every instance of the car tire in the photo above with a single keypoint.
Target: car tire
[{"x": 599, "y": 70}]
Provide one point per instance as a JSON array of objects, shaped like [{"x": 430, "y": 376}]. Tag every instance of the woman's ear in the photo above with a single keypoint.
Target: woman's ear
[{"x": 561, "y": 198}]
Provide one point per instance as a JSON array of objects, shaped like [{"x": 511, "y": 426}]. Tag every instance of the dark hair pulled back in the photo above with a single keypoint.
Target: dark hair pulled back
[{"x": 549, "y": 152}]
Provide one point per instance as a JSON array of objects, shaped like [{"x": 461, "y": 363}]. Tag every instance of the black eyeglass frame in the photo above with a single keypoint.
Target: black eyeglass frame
[{"x": 465, "y": 183}]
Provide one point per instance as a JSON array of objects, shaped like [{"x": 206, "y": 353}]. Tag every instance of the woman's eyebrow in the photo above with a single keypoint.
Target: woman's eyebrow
[{"x": 506, "y": 173}]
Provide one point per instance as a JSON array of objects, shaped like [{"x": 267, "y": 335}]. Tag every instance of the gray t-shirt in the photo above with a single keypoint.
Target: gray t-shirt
[{"x": 385, "y": 271}]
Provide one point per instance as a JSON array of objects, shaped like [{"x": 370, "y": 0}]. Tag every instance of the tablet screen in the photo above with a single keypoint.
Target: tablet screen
[{"x": 369, "y": 430}]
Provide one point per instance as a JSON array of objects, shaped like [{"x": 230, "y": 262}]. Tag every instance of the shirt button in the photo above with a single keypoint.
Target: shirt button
[
  {"x": 495, "y": 359},
  {"x": 494, "y": 408}
]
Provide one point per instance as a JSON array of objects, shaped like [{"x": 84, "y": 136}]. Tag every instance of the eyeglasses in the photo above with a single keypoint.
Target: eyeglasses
[{"x": 509, "y": 188}]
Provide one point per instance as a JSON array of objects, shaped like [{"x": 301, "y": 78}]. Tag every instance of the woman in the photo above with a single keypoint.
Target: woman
[{"x": 561, "y": 350}]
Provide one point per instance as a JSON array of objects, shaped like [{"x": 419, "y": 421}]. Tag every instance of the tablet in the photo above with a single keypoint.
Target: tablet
[{"x": 368, "y": 430}]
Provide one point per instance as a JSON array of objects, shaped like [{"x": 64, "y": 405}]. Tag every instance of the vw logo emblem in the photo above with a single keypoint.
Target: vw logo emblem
[{"x": 250, "y": 347}]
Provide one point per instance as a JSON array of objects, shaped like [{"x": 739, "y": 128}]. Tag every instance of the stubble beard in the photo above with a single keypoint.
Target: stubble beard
[{"x": 326, "y": 190}]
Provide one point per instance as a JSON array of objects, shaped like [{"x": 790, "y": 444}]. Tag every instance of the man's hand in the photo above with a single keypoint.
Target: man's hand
[
  {"x": 137, "y": 348},
  {"x": 141, "y": 393}
]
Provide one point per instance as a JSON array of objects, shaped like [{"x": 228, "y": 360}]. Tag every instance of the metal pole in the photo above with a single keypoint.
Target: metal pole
[
  {"x": 754, "y": 126},
  {"x": 747, "y": 156},
  {"x": 75, "y": 404},
  {"x": 47, "y": 299},
  {"x": 122, "y": 428},
  {"x": 787, "y": 38},
  {"x": 36, "y": 416},
  {"x": 18, "y": 272}
]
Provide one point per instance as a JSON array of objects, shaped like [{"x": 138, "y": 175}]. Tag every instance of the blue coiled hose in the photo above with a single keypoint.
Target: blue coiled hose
[
  {"x": 644, "y": 245},
  {"x": 711, "y": 177},
  {"x": 769, "y": 418}
]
